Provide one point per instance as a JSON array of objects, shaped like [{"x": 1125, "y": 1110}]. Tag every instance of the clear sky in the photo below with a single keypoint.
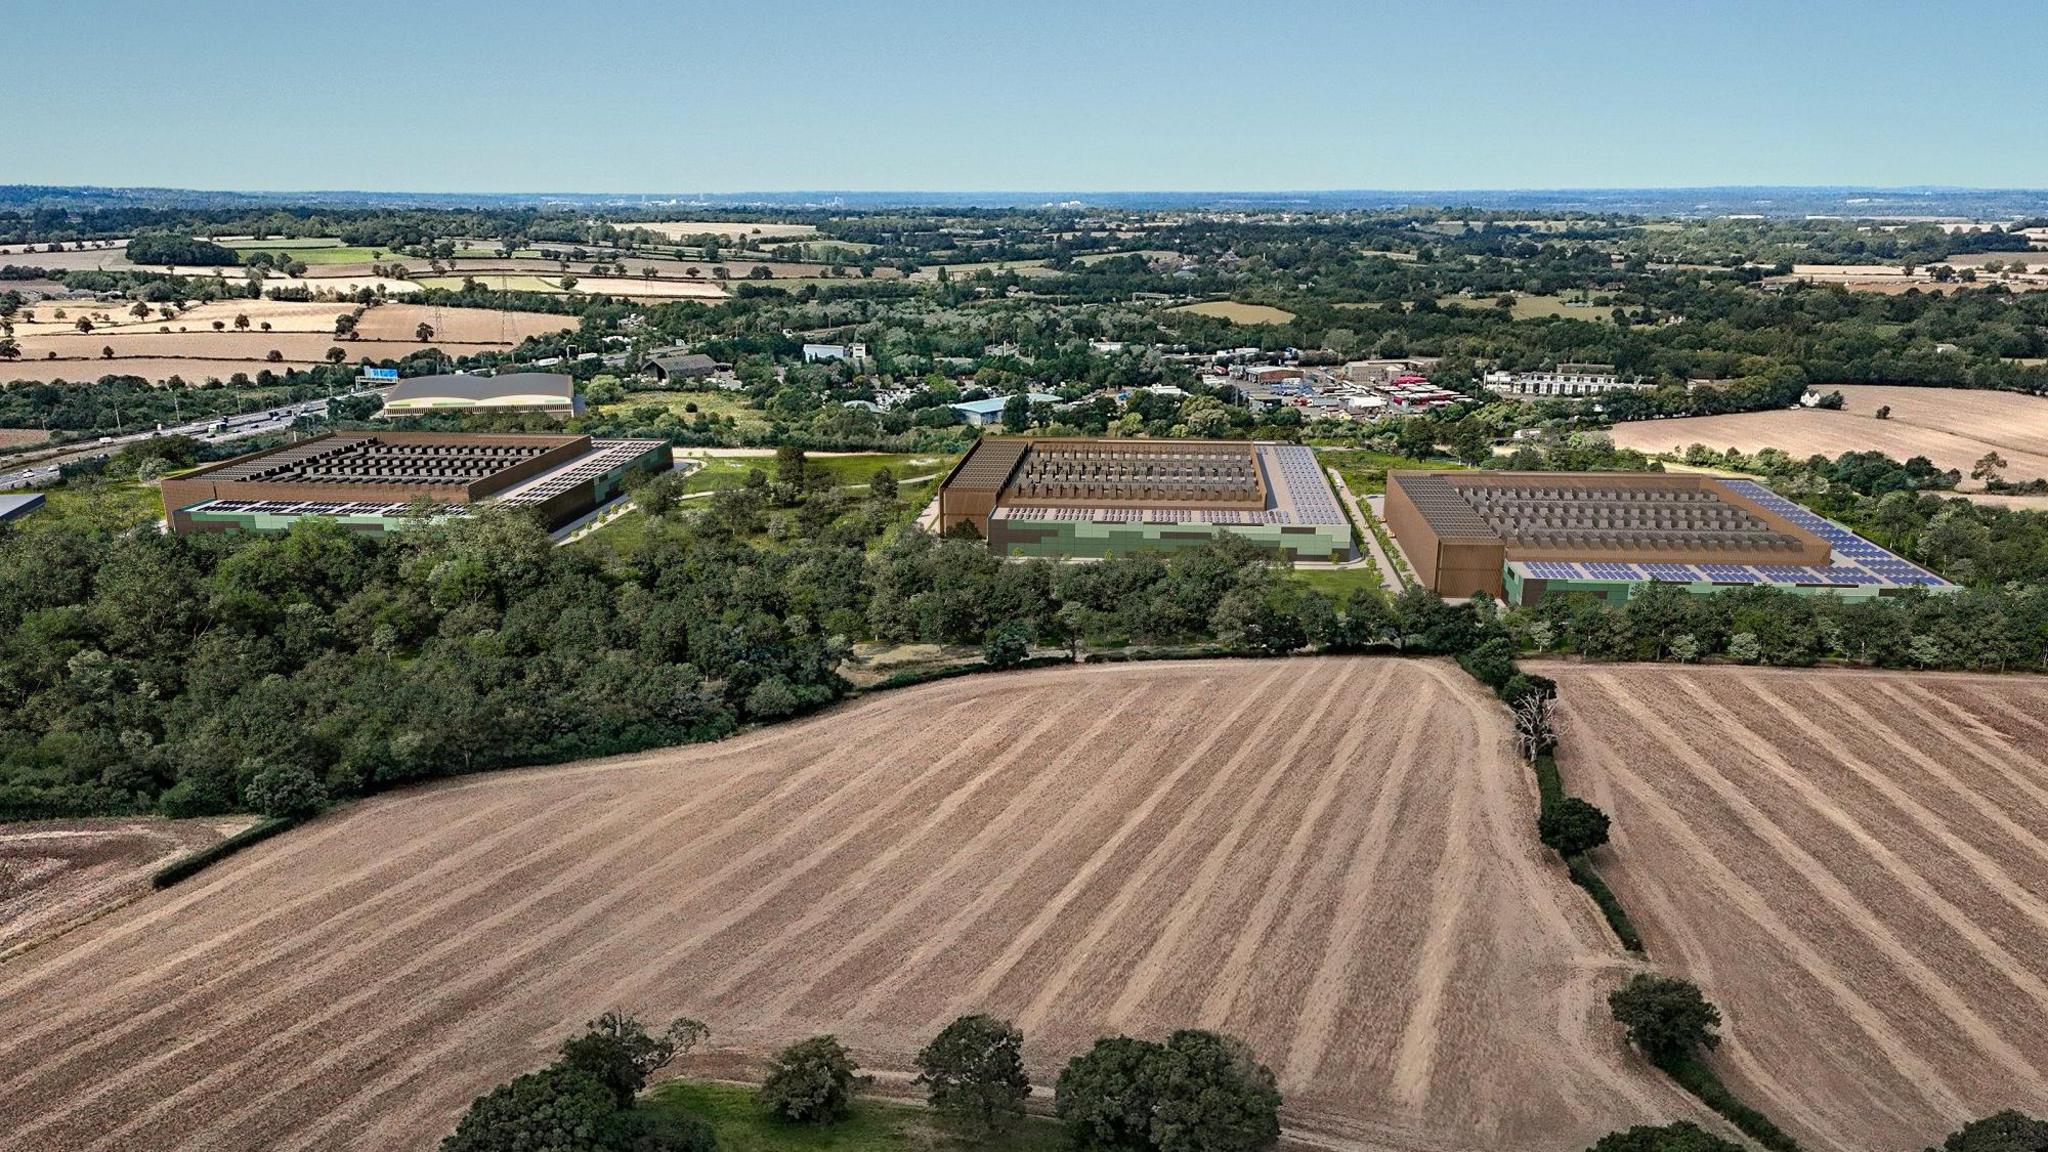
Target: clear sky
[{"x": 976, "y": 95}]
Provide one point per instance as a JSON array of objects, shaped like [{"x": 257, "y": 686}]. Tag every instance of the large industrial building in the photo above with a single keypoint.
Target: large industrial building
[
  {"x": 371, "y": 482},
  {"x": 1094, "y": 498},
  {"x": 1522, "y": 536},
  {"x": 545, "y": 392}
]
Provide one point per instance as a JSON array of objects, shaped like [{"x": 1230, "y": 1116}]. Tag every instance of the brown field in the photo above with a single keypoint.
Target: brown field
[
  {"x": 22, "y": 437},
  {"x": 458, "y": 325},
  {"x": 1237, "y": 312},
  {"x": 1854, "y": 866},
  {"x": 57, "y": 874},
  {"x": 1950, "y": 426},
  {"x": 301, "y": 332},
  {"x": 1330, "y": 857}
]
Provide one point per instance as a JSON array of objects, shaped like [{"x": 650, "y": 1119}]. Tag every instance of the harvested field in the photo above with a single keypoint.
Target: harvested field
[
  {"x": 1237, "y": 312},
  {"x": 1953, "y": 427},
  {"x": 1330, "y": 857},
  {"x": 157, "y": 369},
  {"x": 1853, "y": 865},
  {"x": 458, "y": 325},
  {"x": 56, "y": 874},
  {"x": 22, "y": 437}
]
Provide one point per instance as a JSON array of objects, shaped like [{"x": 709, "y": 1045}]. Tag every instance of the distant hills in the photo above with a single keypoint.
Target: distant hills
[{"x": 1968, "y": 203}]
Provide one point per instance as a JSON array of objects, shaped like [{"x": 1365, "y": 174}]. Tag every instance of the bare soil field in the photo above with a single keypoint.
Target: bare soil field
[
  {"x": 154, "y": 369},
  {"x": 56, "y": 874},
  {"x": 1953, "y": 427},
  {"x": 22, "y": 437},
  {"x": 1238, "y": 313},
  {"x": 458, "y": 325},
  {"x": 1853, "y": 865},
  {"x": 1330, "y": 857}
]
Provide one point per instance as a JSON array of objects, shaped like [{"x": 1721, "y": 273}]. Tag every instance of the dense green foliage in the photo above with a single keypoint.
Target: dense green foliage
[
  {"x": 2007, "y": 1131},
  {"x": 1683, "y": 1136},
  {"x": 161, "y": 248},
  {"x": 193, "y": 863},
  {"x": 1572, "y": 826},
  {"x": 1672, "y": 1024},
  {"x": 1197, "y": 1092},
  {"x": 973, "y": 1075},
  {"x": 812, "y": 1082}
]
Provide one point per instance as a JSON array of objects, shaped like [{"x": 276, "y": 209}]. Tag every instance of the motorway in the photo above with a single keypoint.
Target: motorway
[{"x": 44, "y": 470}]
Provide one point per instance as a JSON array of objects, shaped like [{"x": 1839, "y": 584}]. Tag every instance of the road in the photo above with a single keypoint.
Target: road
[{"x": 44, "y": 471}]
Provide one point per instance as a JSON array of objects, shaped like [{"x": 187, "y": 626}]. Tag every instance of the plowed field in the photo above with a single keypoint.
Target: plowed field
[
  {"x": 1854, "y": 866},
  {"x": 1329, "y": 857}
]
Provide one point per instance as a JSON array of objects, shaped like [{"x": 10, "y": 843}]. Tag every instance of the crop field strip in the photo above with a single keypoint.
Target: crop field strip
[
  {"x": 1853, "y": 865},
  {"x": 1280, "y": 849}
]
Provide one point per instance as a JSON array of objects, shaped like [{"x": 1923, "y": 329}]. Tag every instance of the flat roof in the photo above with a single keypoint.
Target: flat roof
[
  {"x": 1603, "y": 511},
  {"x": 13, "y": 504},
  {"x": 1149, "y": 481}
]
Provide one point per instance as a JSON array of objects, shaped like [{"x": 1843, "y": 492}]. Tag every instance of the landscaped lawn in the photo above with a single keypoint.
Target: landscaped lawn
[
  {"x": 1366, "y": 472},
  {"x": 741, "y": 1125},
  {"x": 1335, "y": 582}
]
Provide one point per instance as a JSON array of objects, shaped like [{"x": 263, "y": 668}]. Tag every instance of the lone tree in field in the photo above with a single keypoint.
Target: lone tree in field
[
  {"x": 1198, "y": 1092},
  {"x": 973, "y": 1073},
  {"x": 1667, "y": 1019},
  {"x": 241, "y": 321},
  {"x": 424, "y": 332},
  {"x": 1988, "y": 467},
  {"x": 1572, "y": 826},
  {"x": 812, "y": 1082},
  {"x": 335, "y": 355},
  {"x": 618, "y": 1053}
]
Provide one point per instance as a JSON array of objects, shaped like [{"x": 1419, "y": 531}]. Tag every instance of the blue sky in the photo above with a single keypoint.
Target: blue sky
[{"x": 742, "y": 95}]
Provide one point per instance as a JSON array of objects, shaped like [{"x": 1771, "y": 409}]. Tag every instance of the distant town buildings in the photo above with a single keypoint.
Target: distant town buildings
[
  {"x": 813, "y": 353},
  {"x": 1564, "y": 380},
  {"x": 982, "y": 413}
]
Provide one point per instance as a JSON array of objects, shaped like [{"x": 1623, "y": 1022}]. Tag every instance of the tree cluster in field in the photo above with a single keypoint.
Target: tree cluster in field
[
  {"x": 169, "y": 249},
  {"x": 1196, "y": 1091}
]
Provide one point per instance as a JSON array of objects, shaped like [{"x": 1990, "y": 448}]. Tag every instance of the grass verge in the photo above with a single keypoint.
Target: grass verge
[
  {"x": 187, "y": 866},
  {"x": 742, "y": 1125}
]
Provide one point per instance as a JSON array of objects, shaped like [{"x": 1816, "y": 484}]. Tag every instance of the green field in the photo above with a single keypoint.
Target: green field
[
  {"x": 1366, "y": 472},
  {"x": 288, "y": 243},
  {"x": 728, "y": 404},
  {"x": 324, "y": 252},
  {"x": 731, "y": 471},
  {"x": 107, "y": 504},
  {"x": 875, "y": 1126},
  {"x": 1336, "y": 582}
]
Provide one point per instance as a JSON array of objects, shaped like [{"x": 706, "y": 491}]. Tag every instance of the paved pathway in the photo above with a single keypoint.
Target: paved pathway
[{"x": 1389, "y": 578}]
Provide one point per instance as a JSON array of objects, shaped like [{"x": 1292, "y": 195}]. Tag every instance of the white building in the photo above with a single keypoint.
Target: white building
[
  {"x": 1564, "y": 380},
  {"x": 816, "y": 352}
]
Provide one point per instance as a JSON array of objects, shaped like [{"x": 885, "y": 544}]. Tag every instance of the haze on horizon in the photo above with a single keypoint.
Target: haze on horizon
[{"x": 641, "y": 96}]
